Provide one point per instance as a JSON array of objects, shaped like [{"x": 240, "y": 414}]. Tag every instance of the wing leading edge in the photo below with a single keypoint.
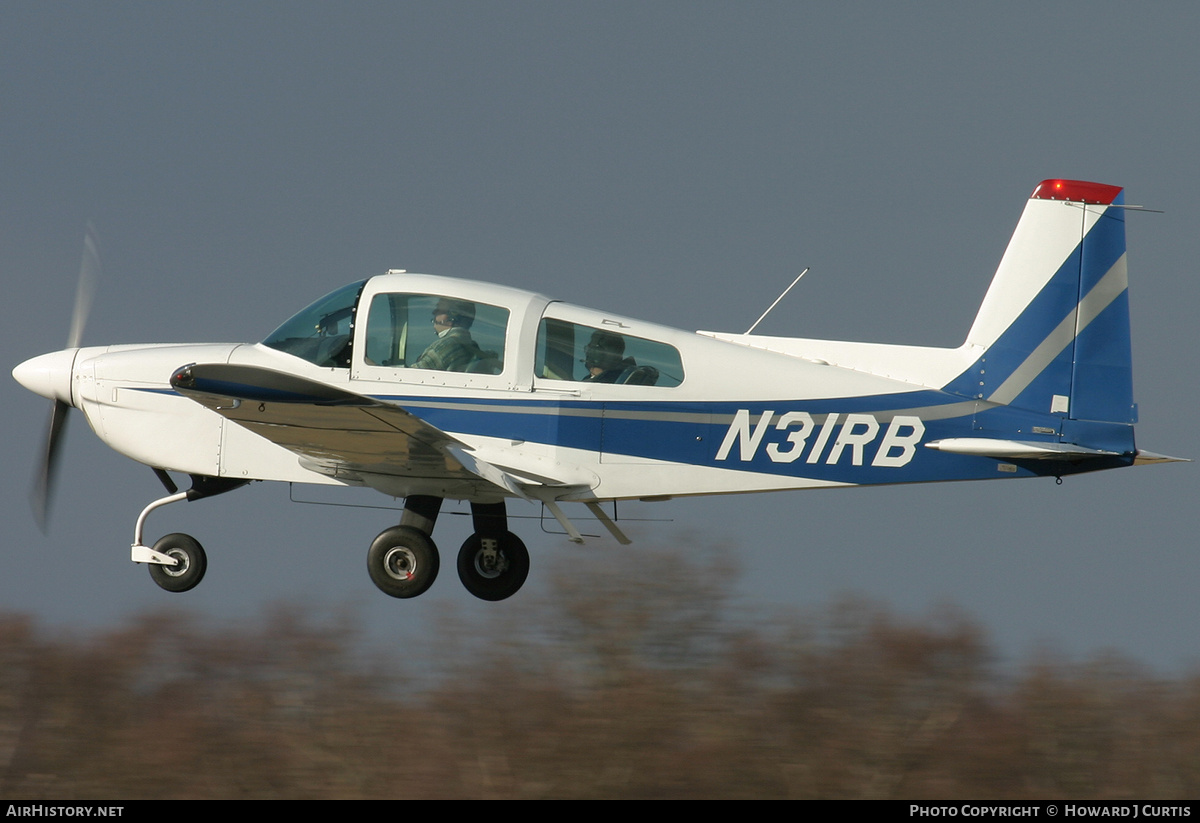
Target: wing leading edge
[{"x": 349, "y": 436}]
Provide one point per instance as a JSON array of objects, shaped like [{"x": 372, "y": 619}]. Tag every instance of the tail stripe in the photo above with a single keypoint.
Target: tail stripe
[
  {"x": 1110, "y": 287},
  {"x": 1052, "y": 334}
]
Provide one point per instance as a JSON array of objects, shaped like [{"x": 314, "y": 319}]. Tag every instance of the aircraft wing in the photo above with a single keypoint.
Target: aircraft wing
[{"x": 340, "y": 433}]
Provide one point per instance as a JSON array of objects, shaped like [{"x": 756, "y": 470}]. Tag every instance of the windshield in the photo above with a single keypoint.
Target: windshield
[{"x": 322, "y": 333}]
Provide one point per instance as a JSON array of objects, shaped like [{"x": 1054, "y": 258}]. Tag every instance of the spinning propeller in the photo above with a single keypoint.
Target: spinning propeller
[{"x": 46, "y": 472}]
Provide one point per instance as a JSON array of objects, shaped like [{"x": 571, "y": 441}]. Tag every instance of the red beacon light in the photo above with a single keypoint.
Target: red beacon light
[{"x": 1079, "y": 191}]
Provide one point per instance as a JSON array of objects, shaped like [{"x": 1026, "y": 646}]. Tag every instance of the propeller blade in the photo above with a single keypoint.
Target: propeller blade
[
  {"x": 85, "y": 289},
  {"x": 45, "y": 478},
  {"x": 46, "y": 473}
]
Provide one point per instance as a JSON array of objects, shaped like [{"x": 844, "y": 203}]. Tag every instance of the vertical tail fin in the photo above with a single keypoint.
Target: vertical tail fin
[{"x": 1053, "y": 331}]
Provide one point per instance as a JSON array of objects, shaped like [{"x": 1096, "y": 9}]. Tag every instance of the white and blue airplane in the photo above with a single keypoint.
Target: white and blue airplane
[{"x": 427, "y": 388}]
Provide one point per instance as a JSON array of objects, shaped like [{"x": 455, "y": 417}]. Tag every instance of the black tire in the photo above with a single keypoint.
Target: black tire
[
  {"x": 493, "y": 576},
  {"x": 403, "y": 562},
  {"x": 190, "y": 563}
]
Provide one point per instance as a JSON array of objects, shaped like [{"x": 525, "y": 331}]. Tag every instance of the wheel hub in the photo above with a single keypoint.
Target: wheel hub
[
  {"x": 400, "y": 563},
  {"x": 181, "y": 564},
  {"x": 489, "y": 561}
]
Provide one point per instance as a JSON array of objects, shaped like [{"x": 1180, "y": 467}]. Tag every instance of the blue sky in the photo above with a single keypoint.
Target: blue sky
[{"x": 679, "y": 162}]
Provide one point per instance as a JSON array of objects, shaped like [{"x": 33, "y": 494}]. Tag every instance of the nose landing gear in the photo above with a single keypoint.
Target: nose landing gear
[
  {"x": 178, "y": 562},
  {"x": 189, "y": 566}
]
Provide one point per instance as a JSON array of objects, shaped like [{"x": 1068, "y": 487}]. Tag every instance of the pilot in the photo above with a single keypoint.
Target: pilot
[
  {"x": 453, "y": 350},
  {"x": 604, "y": 358}
]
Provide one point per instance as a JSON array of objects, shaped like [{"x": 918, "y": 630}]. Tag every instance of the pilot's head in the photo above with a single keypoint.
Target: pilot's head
[
  {"x": 457, "y": 313},
  {"x": 604, "y": 351}
]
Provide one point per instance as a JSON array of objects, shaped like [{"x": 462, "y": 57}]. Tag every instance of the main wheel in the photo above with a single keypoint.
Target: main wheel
[
  {"x": 493, "y": 567},
  {"x": 403, "y": 562},
  {"x": 190, "y": 563}
]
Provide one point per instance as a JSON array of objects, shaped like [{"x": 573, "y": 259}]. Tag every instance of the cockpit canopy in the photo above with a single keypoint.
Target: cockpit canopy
[
  {"x": 403, "y": 330},
  {"x": 411, "y": 323},
  {"x": 322, "y": 332}
]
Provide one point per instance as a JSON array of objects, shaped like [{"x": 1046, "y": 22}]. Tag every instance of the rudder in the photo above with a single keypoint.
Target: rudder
[{"x": 1053, "y": 330}]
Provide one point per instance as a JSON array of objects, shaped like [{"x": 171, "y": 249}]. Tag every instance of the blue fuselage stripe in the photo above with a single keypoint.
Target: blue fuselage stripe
[{"x": 693, "y": 432}]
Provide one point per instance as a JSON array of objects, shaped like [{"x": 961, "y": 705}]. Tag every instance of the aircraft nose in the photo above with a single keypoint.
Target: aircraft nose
[{"x": 48, "y": 375}]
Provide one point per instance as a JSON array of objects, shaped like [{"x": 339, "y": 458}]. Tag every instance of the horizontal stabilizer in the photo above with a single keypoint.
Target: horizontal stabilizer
[
  {"x": 1144, "y": 458},
  {"x": 1016, "y": 449}
]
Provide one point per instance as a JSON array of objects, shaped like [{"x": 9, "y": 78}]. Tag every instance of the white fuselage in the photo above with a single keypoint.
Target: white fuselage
[{"x": 125, "y": 393}]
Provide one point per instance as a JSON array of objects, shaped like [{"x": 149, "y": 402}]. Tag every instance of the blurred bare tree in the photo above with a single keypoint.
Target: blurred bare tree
[{"x": 635, "y": 675}]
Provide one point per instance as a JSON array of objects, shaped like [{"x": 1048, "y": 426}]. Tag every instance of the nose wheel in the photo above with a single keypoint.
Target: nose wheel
[
  {"x": 189, "y": 567},
  {"x": 177, "y": 562}
]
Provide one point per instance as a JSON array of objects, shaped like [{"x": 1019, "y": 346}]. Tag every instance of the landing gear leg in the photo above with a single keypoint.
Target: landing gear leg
[
  {"x": 493, "y": 563},
  {"x": 177, "y": 561},
  {"x": 403, "y": 560}
]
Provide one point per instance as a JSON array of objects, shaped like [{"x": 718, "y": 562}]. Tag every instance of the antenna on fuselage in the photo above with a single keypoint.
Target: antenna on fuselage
[{"x": 777, "y": 299}]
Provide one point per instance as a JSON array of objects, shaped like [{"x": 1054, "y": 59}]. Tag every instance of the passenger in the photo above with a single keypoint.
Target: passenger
[
  {"x": 453, "y": 350},
  {"x": 603, "y": 358}
]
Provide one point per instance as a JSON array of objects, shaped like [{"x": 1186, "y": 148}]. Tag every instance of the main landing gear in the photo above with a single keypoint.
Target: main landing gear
[
  {"x": 403, "y": 561},
  {"x": 492, "y": 564}
]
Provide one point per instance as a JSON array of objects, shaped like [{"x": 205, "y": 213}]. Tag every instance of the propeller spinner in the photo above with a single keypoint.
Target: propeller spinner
[{"x": 50, "y": 376}]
